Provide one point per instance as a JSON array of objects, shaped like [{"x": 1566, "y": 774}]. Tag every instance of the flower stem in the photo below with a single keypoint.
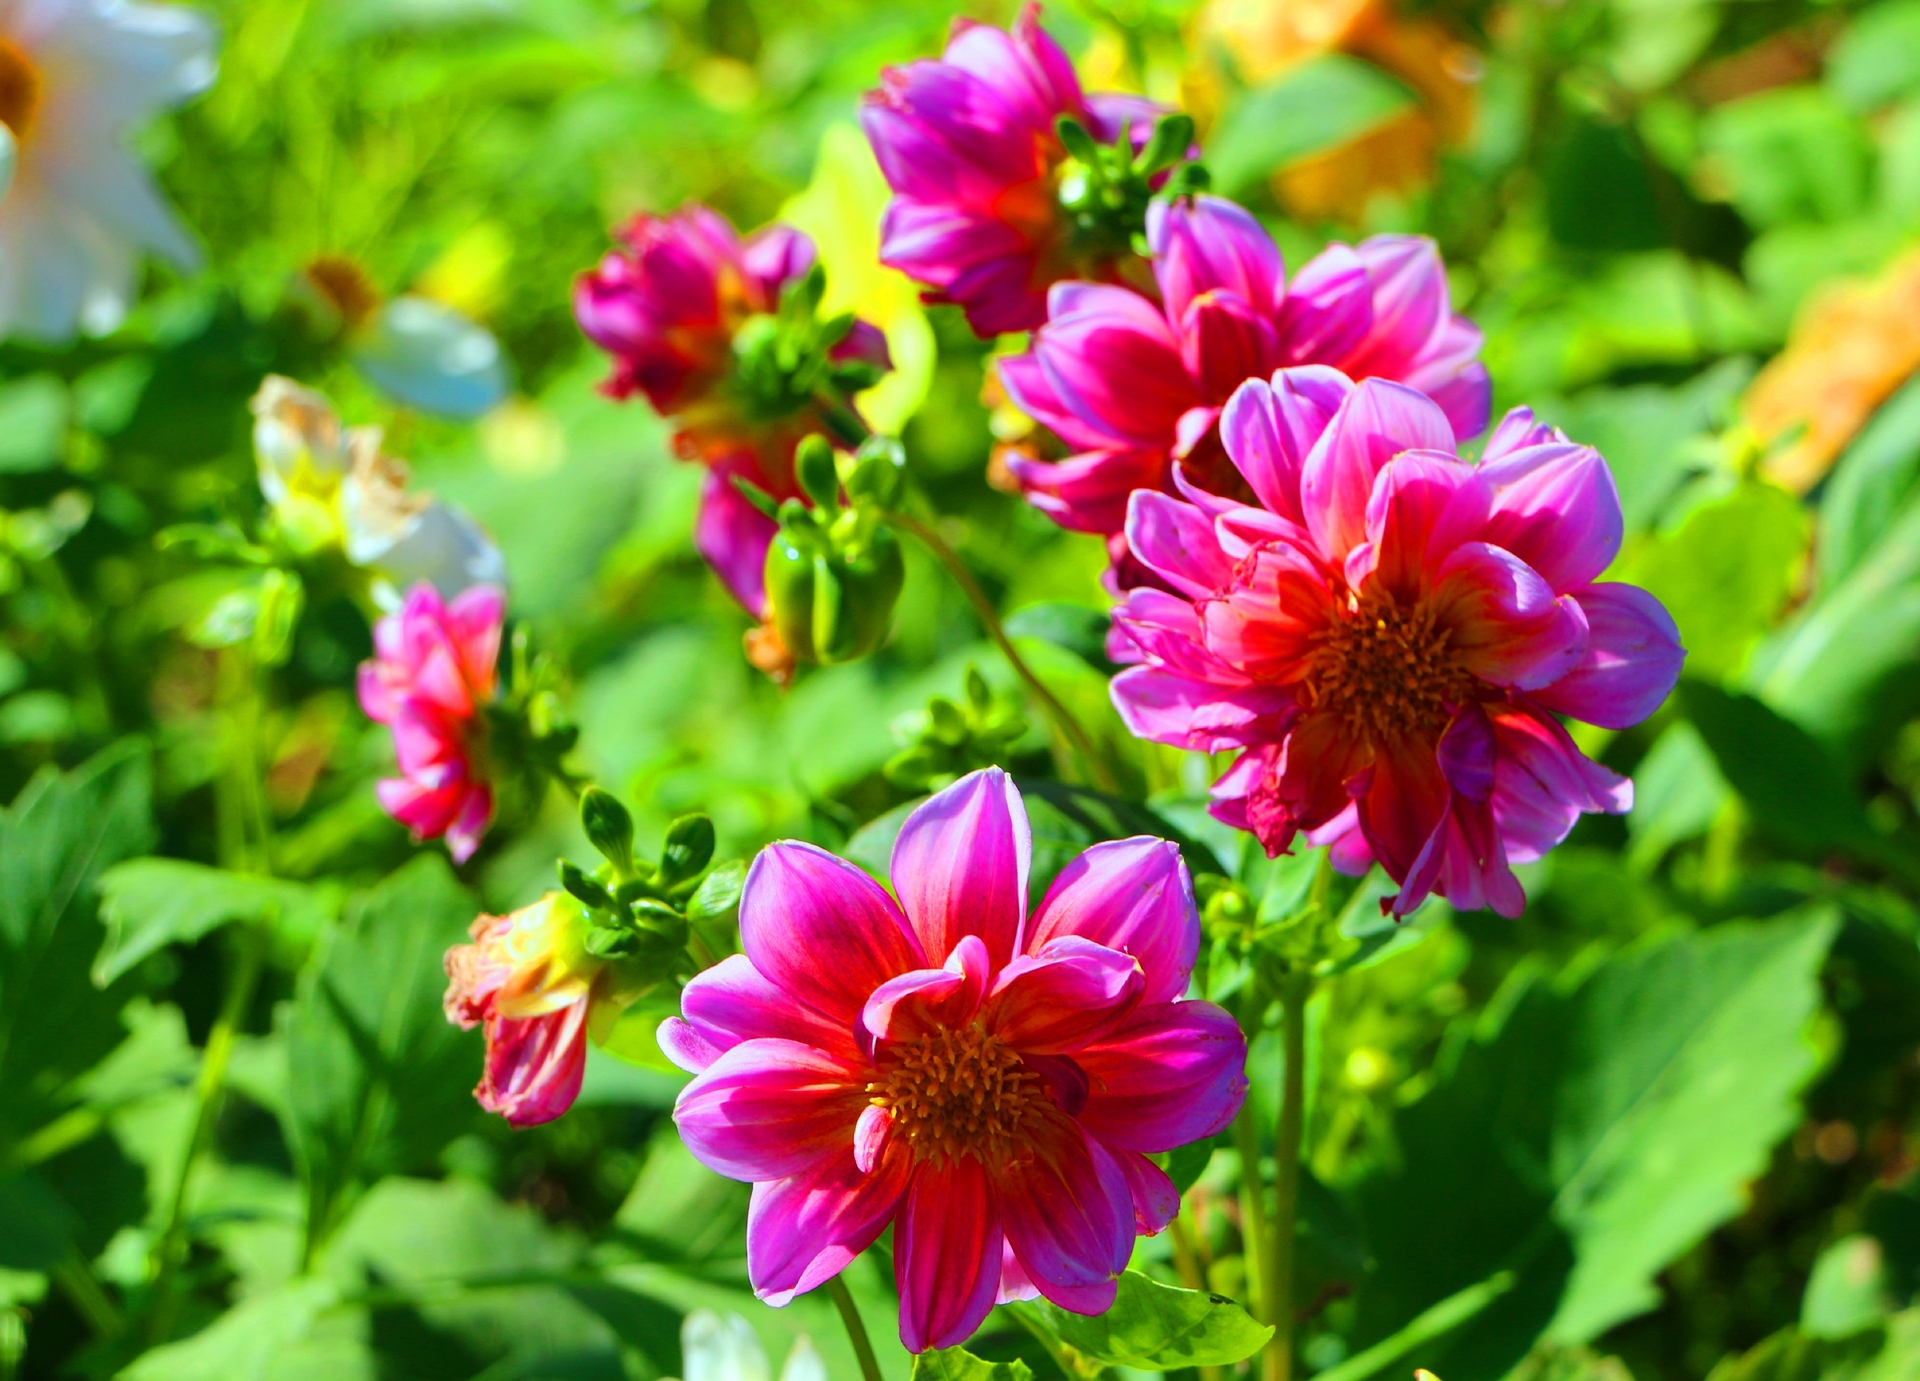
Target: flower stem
[
  {"x": 1296, "y": 990},
  {"x": 171, "y": 1249},
  {"x": 1070, "y": 728},
  {"x": 1253, "y": 1216},
  {"x": 856, "y": 1328}
]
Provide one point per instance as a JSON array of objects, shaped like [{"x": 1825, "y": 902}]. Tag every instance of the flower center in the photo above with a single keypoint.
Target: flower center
[
  {"x": 1388, "y": 670},
  {"x": 956, "y": 1093},
  {"x": 21, "y": 90}
]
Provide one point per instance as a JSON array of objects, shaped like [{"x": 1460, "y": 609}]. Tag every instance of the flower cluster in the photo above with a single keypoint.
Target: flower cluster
[
  {"x": 989, "y": 1082},
  {"x": 719, "y": 335}
]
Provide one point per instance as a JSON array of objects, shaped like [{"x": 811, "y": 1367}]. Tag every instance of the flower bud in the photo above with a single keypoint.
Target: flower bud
[
  {"x": 688, "y": 850},
  {"x": 585, "y": 887},
  {"x": 609, "y": 828},
  {"x": 831, "y": 590}
]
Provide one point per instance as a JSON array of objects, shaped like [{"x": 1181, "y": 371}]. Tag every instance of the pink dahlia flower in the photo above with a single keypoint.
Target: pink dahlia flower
[
  {"x": 988, "y": 1082},
  {"x": 667, "y": 305},
  {"x": 1134, "y": 387},
  {"x": 969, "y": 146},
  {"x": 539, "y": 994},
  {"x": 1391, "y": 633},
  {"x": 429, "y": 681}
]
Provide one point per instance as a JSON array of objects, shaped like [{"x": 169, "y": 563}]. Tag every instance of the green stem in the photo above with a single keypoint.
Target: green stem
[
  {"x": 1253, "y": 1216},
  {"x": 1098, "y": 770},
  {"x": 1435, "y": 1322},
  {"x": 856, "y": 1328},
  {"x": 1296, "y": 989},
  {"x": 171, "y": 1252},
  {"x": 83, "y": 1289}
]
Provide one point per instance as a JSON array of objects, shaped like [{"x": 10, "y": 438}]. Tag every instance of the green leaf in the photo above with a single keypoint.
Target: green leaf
[
  {"x": 54, "y": 841},
  {"x": 1847, "y": 1290},
  {"x": 1604, "y": 1127},
  {"x": 1877, "y": 57},
  {"x": 1794, "y": 790},
  {"x": 1159, "y": 1327},
  {"x": 150, "y": 903},
  {"x": 36, "y": 1227},
  {"x": 957, "y": 1364},
  {"x": 1726, "y": 573},
  {"x": 1677, "y": 792},
  {"x": 1791, "y": 154},
  {"x": 34, "y": 415},
  {"x": 1870, "y": 483},
  {"x": 379, "y": 1080},
  {"x": 250, "y": 1342},
  {"x": 1311, "y": 106}
]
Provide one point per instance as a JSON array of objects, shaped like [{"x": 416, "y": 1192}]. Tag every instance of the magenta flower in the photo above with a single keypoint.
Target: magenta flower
[
  {"x": 969, "y": 146},
  {"x": 988, "y": 1082},
  {"x": 430, "y": 678},
  {"x": 1135, "y": 387},
  {"x": 1390, "y": 634},
  {"x": 667, "y": 306}
]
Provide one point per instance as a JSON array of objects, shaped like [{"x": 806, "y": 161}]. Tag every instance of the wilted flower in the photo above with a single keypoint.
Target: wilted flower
[
  {"x": 988, "y": 1082},
  {"x": 970, "y": 145},
  {"x": 76, "y": 78},
  {"x": 1390, "y": 633},
  {"x": 528, "y": 978},
  {"x": 1852, "y": 347},
  {"x": 330, "y": 484},
  {"x": 431, "y": 677},
  {"x": 1135, "y": 387},
  {"x": 692, "y": 316}
]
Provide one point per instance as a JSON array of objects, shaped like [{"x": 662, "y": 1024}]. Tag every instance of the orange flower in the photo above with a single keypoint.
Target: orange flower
[
  {"x": 1265, "y": 37},
  {"x": 1853, "y": 345}
]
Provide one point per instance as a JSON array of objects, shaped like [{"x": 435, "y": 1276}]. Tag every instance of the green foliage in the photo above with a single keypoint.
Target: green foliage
[
  {"x": 957, "y": 1364},
  {"x": 1307, "y": 109},
  {"x": 1157, "y": 1327},
  {"x": 150, "y": 903}
]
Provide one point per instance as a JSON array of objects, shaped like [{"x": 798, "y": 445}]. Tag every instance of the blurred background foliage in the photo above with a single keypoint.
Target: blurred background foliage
[{"x": 1663, "y": 1125}]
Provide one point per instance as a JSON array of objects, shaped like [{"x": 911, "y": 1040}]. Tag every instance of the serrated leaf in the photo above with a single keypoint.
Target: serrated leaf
[
  {"x": 1162, "y": 1328},
  {"x": 150, "y": 903},
  {"x": 957, "y": 1364}
]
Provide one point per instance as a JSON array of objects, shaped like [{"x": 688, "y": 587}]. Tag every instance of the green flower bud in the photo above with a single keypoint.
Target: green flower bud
[
  {"x": 832, "y": 593},
  {"x": 688, "y": 850},
  {"x": 588, "y": 889},
  {"x": 813, "y": 466},
  {"x": 609, "y": 828}
]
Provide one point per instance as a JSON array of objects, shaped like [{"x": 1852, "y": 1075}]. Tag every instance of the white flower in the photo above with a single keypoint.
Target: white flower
[
  {"x": 332, "y": 484},
  {"x": 76, "y": 77},
  {"x": 717, "y": 1348}
]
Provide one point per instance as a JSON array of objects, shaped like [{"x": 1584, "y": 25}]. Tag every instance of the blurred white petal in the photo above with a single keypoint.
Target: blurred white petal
[
  {"x": 722, "y": 1348},
  {"x": 428, "y": 356},
  {"x": 804, "y": 1362}
]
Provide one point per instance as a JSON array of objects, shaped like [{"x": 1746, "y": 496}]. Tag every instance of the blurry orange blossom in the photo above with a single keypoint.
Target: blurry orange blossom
[
  {"x": 1262, "y": 38},
  {"x": 1853, "y": 345}
]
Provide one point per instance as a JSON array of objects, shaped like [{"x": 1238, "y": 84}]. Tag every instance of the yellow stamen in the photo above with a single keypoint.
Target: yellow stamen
[{"x": 956, "y": 1093}]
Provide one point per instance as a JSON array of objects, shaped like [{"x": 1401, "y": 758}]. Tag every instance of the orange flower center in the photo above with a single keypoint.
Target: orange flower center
[
  {"x": 956, "y": 1093},
  {"x": 1388, "y": 671},
  {"x": 21, "y": 90}
]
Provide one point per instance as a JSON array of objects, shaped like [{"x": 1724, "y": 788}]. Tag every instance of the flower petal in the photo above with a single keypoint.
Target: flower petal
[
  {"x": 1067, "y": 1208},
  {"x": 1205, "y": 243},
  {"x": 946, "y": 1253},
  {"x": 960, "y": 867},
  {"x": 1064, "y": 996},
  {"x": 534, "y": 1065},
  {"x": 1224, "y": 342},
  {"x": 733, "y": 536},
  {"x": 806, "y": 1229},
  {"x": 1113, "y": 362},
  {"x": 1424, "y": 504},
  {"x": 1555, "y": 507},
  {"x": 1131, "y": 895},
  {"x": 1506, "y": 624},
  {"x": 1376, "y": 422},
  {"x": 1268, "y": 429},
  {"x": 1173, "y": 1073},
  {"x": 1329, "y": 308},
  {"x": 1632, "y": 662},
  {"x": 734, "y": 1002},
  {"x": 771, "y": 1108},
  {"x": 1176, "y": 541},
  {"x": 929, "y": 1000},
  {"x": 1156, "y": 1202},
  {"x": 822, "y": 930},
  {"x": 1543, "y": 783}
]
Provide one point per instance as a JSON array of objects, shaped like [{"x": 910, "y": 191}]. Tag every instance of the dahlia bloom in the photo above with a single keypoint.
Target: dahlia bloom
[
  {"x": 76, "y": 78},
  {"x": 969, "y": 146},
  {"x": 529, "y": 980},
  {"x": 430, "y": 679},
  {"x": 334, "y": 484},
  {"x": 1135, "y": 387},
  {"x": 668, "y": 305},
  {"x": 1390, "y": 634},
  {"x": 986, "y": 1081}
]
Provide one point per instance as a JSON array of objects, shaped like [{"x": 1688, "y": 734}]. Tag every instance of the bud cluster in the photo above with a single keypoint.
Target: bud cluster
[
  {"x": 784, "y": 360},
  {"x": 834, "y": 570},
  {"x": 945, "y": 741},
  {"x": 646, "y": 911},
  {"x": 1105, "y": 188}
]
